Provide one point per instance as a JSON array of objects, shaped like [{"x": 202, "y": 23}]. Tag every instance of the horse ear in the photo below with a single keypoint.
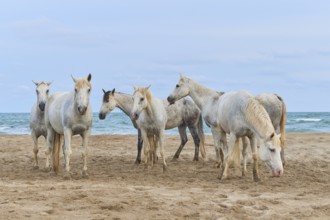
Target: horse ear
[
  {"x": 181, "y": 76},
  {"x": 113, "y": 91},
  {"x": 148, "y": 87},
  {"x": 74, "y": 79},
  {"x": 103, "y": 91},
  {"x": 49, "y": 83},
  {"x": 35, "y": 83},
  {"x": 89, "y": 77},
  {"x": 135, "y": 88}
]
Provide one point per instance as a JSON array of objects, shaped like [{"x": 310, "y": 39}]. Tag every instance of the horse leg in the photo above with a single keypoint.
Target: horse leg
[
  {"x": 35, "y": 150},
  {"x": 139, "y": 147},
  {"x": 184, "y": 139},
  {"x": 216, "y": 139},
  {"x": 63, "y": 149},
  {"x": 49, "y": 150},
  {"x": 233, "y": 141},
  {"x": 244, "y": 140},
  {"x": 194, "y": 134},
  {"x": 85, "y": 138},
  {"x": 255, "y": 158},
  {"x": 160, "y": 140},
  {"x": 67, "y": 152},
  {"x": 146, "y": 146},
  {"x": 151, "y": 154}
]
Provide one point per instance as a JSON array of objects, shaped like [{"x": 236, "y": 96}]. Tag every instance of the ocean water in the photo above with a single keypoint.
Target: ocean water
[{"x": 119, "y": 123}]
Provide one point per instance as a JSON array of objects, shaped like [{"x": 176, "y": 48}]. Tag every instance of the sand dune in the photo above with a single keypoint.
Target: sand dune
[{"x": 117, "y": 189}]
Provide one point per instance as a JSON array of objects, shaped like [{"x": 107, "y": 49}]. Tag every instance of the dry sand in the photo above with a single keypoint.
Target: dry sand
[{"x": 117, "y": 189}]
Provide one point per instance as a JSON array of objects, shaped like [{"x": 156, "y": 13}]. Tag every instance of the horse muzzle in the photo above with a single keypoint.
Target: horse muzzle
[
  {"x": 101, "y": 116},
  {"x": 135, "y": 116},
  {"x": 82, "y": 110},
  {"x": 277, "y": 172},
  {"x": 171, "y": 100},
  {"x": 42, "y": 106}
]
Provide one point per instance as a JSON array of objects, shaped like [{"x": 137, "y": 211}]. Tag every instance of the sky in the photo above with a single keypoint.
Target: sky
[{"x": 260, "y": 46}]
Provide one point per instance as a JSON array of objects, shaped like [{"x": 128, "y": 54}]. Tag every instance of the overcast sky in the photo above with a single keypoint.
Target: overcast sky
[{"x": 261, "y": 46}]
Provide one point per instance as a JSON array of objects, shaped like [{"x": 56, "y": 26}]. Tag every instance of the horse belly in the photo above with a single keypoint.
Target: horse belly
[{"x": 79, "y": 129}]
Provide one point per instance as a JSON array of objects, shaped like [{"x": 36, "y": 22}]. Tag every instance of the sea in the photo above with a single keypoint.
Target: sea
[{"x": 119, "y": 123}]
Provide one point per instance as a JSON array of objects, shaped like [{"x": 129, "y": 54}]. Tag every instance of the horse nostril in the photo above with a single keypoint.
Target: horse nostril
[
  {"x": 170, "y": 99},
  {"x": 42, "y": 106},
  {"x": 101, "y": 116}
]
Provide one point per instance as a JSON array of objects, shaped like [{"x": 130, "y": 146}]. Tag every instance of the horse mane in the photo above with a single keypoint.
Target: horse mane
[
  {"x": 145, "y": 92},
  {"x": 258, "y": 118},
  {"x": 81, "y": 82}
]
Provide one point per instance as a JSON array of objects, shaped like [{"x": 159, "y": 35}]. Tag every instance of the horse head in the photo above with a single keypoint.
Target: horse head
[
  {"x": 141, "y": 99},
  {"x": 270, "y": 153},
  {"x": 42, "y": 91},
  {"x": 181, "y": 90},
  {"x": 82, "y": 92},
  {"x": 109, "y": 103}
]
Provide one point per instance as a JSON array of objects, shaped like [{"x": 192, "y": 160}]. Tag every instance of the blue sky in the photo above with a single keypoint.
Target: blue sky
[{"x": 260, "y": 46}]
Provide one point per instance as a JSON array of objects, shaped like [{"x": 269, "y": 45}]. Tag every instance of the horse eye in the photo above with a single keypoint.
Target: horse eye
[
  {"x": 177, "y": 86},
  {"x": 272, "y": 150},
  {"x": 142, "y": 99},
  {"x": 75, "y": 90},
  {"x": 47, "y": 91},
  {"x": 89, "y": 90}
]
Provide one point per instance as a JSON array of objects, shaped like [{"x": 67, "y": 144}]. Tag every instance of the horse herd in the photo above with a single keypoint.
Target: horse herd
[{"x": 233, "y": 116}]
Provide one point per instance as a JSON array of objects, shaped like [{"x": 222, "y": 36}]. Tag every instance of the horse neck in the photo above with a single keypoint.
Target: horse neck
[
  {"x": 151, "y": 108},
  {"x": 200, "y": 94},
  {"x": 259, "y": 119},
  {"x": 124, "y": 102}
]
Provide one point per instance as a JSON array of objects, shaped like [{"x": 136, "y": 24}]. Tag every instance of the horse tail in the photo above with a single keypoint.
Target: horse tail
[
  {"x": 56, "y": 152},
  {"x": 283, "y": 122},
  {"x": 201, "y": 136}
]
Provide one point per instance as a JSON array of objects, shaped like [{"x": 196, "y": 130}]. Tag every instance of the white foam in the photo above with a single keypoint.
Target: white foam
[{"x": 309, "y": 119}]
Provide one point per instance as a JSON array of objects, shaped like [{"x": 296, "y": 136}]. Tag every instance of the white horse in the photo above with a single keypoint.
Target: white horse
[
  {"x": 182, "y": 114},
  {"x": 68, "y": 114},
  {"x": 37, "y": 121},
  {"x": 150, "y": 116},
  {"x": 276, "y": 109},
  {"x": 237, "y": 114}
]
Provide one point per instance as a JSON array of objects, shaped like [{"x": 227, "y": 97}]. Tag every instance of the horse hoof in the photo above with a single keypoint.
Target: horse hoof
[
  {"x": 175, "y": 158},
  {"x": 85, "y": 174},
  {"x": 47, "y": 169},
  {"x": 164, "y": 168},
  {"x": 67, "y": 176},
  {"x": 256, "y": 179},
  {"x": 196, "y": 159},
  {"x": 36, "y": 167}
]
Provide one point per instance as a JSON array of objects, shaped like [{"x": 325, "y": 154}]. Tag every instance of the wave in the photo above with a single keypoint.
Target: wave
[{"x": 308, "y": 119}]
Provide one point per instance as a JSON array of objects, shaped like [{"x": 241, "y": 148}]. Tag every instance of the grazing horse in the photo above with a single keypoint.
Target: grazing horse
[
  {"x": 276, "y": 109},
  {"x": 37, "y": 121},
  {"x": 68, "y": 114},
  {"x": 151, "y": 117},
  {"x": 182, "y": 114},
  {"x": 238, "y": 114}
]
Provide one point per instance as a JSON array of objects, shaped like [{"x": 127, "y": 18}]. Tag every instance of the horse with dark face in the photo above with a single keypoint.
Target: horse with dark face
[
  {"x": 184, "y": 113},
  {"x": 37, "y": 121}
]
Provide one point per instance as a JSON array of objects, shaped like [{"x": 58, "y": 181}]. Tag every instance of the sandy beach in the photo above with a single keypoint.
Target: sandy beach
[{"x": 117, "y": 189}]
